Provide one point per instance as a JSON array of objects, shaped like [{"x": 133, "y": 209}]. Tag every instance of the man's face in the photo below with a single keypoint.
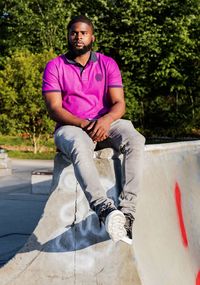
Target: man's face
[{"x": 80, "y": 38}]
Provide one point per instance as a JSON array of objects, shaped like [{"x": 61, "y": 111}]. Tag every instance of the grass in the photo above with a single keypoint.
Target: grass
[
  {"x": 20, "y": 140},
  {"x": 20, "y": 147},
  {"x": 30, "y": 155},
  {"x": 14, "y": 141}
]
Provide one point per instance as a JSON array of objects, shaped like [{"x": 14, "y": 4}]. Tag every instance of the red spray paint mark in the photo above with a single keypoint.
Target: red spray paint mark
[
  {"x": 180, "y": 215},
  {"x": 181, "y": 222},
  {"x": 198, "y": 279}
]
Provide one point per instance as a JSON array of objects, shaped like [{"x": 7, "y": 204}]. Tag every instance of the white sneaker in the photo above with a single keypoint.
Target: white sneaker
[
  {"x": 126, "y": 239},
  {"x": 114, "y": 224}
]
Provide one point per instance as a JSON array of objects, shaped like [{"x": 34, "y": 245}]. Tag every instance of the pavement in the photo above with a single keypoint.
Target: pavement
[{"x": 20, "y": 210}]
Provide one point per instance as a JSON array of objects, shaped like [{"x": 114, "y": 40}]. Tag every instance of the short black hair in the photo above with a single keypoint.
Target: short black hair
[{"x": 82, "y": 19}]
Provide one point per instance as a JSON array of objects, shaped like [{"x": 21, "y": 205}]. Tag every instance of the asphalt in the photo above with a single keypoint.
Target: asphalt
[{"x": 20, "y": 210}]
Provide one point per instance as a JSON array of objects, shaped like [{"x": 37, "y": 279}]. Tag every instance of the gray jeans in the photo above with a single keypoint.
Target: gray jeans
[{"x": 79, "y": 148}]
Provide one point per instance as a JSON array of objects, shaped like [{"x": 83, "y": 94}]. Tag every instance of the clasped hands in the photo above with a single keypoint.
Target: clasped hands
[{"x": 97, "y": 129}]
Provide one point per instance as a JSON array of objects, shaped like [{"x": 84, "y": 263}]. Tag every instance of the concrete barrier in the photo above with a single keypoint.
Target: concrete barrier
[
  {"x": 70, "y": 247},
  {"x": 5, "y": 163},
  {"x": 167, "y": 240}
]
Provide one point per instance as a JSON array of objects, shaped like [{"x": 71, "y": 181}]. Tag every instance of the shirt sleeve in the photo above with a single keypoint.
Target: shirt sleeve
[
  {"x": 50, "y": 81},
  {"x": 114, "y": 74}
]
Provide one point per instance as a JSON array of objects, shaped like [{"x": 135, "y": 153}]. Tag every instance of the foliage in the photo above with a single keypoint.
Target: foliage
[
  {"x": 22, "y": 106},
  {"x": 156, "y": 46},
  {"x": 34, "y": 24}
]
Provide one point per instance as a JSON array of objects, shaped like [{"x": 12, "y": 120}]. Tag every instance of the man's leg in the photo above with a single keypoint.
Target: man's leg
[
  {"x": 79, "y": 149},
  {"x": 127, "y": 140}
]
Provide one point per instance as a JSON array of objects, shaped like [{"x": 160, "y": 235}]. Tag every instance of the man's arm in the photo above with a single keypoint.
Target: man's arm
[
  {"x": 118, "y": 107},
  {"x": 53, "y": 102},
  {"x": 100, "y": 130}
]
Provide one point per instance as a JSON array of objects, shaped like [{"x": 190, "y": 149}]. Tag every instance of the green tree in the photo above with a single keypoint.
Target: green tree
[
  {"x": 22, "y": 105},
  {"x": 34, "y": 24},
  {"x": 156, "y": 44}
]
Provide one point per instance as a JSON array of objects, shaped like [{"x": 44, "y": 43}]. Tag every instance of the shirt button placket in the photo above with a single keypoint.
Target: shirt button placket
[{"x": 84, "y": 75}]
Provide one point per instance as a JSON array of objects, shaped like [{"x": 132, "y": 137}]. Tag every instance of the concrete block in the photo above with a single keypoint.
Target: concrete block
[
  {"x": 3, "y": 160},
  {"x": 5, "y": 164}
]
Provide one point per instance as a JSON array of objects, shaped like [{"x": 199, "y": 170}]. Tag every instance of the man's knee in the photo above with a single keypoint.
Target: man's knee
[
  {"x": 131, "y": 133},
  {"x": 72, "y": 140},
  {"x": 139, "y": 138}
]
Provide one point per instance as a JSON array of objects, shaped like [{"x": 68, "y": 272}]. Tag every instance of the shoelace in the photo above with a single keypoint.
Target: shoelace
[{"x": 103, "y": 212}]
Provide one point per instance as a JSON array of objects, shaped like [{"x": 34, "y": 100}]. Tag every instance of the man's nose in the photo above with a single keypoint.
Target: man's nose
[{"x": 79, "y": 36}]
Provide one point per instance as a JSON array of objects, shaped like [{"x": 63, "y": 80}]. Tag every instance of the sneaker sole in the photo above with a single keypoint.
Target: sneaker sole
[
  {"x": 127, "y": 240},
  {"x": 115, "y": 222}
]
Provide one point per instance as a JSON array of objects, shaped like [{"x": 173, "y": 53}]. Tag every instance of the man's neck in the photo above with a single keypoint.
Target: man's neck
[{"x": 83, "y": 59}]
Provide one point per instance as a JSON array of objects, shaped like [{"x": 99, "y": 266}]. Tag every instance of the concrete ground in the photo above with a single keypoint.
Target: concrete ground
[{"x": 20, "y": 210}]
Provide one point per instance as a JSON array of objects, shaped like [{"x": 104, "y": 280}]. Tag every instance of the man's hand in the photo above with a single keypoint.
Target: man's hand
[
  {"x": 84, "y": 124},
  {"x": 98, "y": 130}
]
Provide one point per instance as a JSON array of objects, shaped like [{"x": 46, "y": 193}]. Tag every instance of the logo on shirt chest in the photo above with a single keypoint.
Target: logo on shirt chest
[{"x": 98, "y": 77}]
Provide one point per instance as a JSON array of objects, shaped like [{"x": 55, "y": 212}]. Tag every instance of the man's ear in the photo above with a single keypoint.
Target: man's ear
[{"x": 93, "y": 38}]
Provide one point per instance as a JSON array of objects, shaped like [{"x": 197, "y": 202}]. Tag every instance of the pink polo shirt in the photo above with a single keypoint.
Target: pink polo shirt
[{"x": 84, "y": 89}]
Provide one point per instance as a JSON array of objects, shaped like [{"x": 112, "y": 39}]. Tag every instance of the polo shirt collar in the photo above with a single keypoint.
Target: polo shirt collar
[{"x": 70, "y": 59}]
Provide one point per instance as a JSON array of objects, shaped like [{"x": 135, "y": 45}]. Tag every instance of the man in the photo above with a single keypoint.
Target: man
[{"x": 84, "y": 94}]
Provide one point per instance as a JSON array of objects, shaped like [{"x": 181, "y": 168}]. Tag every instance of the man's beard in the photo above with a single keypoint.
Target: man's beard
[{"x": 79, "y": 51}]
